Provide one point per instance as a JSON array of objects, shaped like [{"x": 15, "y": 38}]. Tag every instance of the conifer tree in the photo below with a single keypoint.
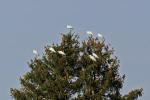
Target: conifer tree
[{"x": 74, "y": 71}]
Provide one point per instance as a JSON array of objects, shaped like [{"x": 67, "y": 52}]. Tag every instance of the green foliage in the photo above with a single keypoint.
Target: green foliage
[{"x": 74, "y": 75}]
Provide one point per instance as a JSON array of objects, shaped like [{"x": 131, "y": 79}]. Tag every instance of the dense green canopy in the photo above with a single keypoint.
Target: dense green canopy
[{"x": 86, "y": 71}]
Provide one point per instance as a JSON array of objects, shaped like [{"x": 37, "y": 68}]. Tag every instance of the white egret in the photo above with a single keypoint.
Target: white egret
[
  {"x": 81, "y": 53},
  {"x": 100, "y": 35},
  {"x": 52, "y": 49},
  {"x": 69, "y": 27},
  {"x": 95, "y": 55},
  {"x": 74, "y": 79},
  {"x": 35, "y": 52},
  {"x": 89, "y": 33},
  {"x": 61, "y": 52},
  {"x": 92, "y": 57}
]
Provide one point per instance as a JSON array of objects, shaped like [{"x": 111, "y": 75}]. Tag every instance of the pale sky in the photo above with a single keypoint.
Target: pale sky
[{"x": 31, "y": 24}]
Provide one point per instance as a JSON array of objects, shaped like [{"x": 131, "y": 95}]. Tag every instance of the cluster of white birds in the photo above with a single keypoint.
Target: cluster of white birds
[
  {"x": 100, "y": 36},
  {"x": 88, "y": 32},
  {"x": 51, "y": 49},
  {"x": 92, "y": 56}
]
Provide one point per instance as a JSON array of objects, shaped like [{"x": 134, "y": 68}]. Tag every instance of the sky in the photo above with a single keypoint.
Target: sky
[{"x": 31, "y": 24}]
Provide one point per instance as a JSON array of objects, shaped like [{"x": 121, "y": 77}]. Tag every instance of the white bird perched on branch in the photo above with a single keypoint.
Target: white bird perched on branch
[
  {"x": 95, "y": 55},
  {"x": 92, "y": 57},
  {"x": 35, "y": 52},
  {"x": 61, "y": 52},
  {"x": 69, "y": 27},
  {"x": 100, "y": 36},
  {"x": 89, "y": 33},
  {"x": 52, "y": 49},
  {"x": 74, "y": 79},
  {"x": 81, "y": 53}
]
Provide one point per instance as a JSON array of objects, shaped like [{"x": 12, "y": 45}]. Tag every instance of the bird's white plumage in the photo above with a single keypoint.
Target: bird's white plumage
[
  {"x": 92, "y": 57},
  {"x": 89, "y": 32},
  {"x": 61, "y": 52},
  {"x": 100, "y": 35},
  {"x": 81, "y": 53},
  {"x": 35, "y": 52},
  {"x": 74, "y": 79},
  {"x": 69, "y": 27},
  {"x": 95, "y": 55},
  {"x": 52, "y": 49}
]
